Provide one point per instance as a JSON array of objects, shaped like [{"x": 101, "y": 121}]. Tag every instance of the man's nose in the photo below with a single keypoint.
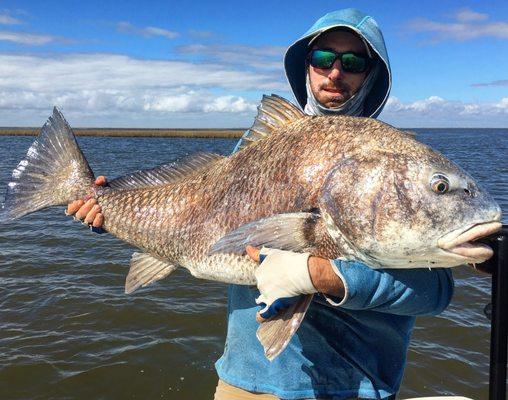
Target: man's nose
[{"x": 335, "y": 71}]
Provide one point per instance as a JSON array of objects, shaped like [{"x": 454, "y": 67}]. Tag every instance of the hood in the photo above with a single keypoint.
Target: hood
[{"x": 363, "y": 25}]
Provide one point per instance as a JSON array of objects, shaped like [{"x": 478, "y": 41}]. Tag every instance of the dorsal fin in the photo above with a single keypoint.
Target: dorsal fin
[
  {"x": 274, "y": 111},
  {"x": 165, "y": 173}
]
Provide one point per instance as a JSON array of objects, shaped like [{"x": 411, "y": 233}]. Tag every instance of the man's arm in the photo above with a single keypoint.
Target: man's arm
[
  {"x": 415, "y": 291},
  {"x": 324, "y": 278},
  {"x": 354, "y": 285}
]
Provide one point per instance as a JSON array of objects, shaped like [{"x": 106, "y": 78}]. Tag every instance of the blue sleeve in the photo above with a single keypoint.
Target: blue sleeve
[{"x": 418, "y": 291}]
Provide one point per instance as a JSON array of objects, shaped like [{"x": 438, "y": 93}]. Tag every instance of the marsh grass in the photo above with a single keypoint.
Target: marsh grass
[{"x": 128, "y": 132}]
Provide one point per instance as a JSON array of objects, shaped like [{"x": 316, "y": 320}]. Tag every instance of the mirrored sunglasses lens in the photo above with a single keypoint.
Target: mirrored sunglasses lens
[
  {"x": 353, "y": 63},
  {"x": 322, "y": 59}
]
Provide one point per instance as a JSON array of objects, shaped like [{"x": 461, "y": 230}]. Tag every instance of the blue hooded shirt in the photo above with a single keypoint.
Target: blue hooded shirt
[{"x": 353, "y": 347}]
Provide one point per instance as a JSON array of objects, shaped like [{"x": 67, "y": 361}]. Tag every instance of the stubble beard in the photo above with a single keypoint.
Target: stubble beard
[{"x": 333, "y": 101}]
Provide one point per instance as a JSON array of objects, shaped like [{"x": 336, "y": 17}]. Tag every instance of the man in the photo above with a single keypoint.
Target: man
[{"x": 354, "y": 339}]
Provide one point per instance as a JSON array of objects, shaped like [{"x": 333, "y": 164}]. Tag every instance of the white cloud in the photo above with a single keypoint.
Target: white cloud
[
  {"x": 232, "y": 104},
  {"x": 437, "y": 106},
  {"x": 192, "y": 101},
  {"x": 502, "y": 82},
  {"x": 467, "y": 25},
  {"x": 260, "y": 57},
  {"x": 468, "y": 15},
  {"x": 6, "y": 19},
  {"x": 118, "y": 72},
  {"x": 28, "y": 38},
  {"x": 436, "y": 111},
  {"x": 201, "y": 34},
  {"x": 149, "y": 31},
  {"x": 123, "y": 88},
  {"x": 116, "y": 90}
]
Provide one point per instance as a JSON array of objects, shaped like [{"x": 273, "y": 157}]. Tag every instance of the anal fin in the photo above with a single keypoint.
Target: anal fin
[
  {"x": 276, "y": 333},
  {"x": 146, "y": 269}
]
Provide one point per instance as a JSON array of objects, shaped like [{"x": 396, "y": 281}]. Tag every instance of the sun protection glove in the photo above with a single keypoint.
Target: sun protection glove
[
  {"x": 98, "y": 230},
  {"x": 281, "y": 277}
]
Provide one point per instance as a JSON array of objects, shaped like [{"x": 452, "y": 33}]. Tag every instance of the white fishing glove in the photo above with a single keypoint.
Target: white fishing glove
[{"x": 281, "y": 276}]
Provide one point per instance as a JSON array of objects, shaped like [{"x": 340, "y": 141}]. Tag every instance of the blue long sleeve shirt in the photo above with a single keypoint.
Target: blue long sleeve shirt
[
  {"x": 345, "y": 348},
  {"x": 351, "y": 347}
]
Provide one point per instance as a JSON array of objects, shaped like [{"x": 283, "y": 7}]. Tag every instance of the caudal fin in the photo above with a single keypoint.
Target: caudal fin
[{"x": 54, "y": 172}]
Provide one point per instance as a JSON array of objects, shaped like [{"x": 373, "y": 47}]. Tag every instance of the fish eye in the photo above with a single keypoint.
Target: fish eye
[{"x": 439, "y": 184}]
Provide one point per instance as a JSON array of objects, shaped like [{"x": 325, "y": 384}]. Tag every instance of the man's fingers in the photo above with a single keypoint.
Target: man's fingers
[
  {"x": 259, "y": 318},
  {"x": 275, "y": 308},
  {"x": 253, "y": 253},
  {"x": 98, "y": 221},
  {"x": 74, "y": 206},
  {"x": 85, "y": 209},
  {"x": 100, "y": 180},
  {"x": 90, "y": 217}
]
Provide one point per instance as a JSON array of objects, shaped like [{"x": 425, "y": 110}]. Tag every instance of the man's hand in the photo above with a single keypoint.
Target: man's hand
[
  {"x": 322, "y": 277},
  {"x": 281, "y": 277},
  {"x": 89, "y": 212}
]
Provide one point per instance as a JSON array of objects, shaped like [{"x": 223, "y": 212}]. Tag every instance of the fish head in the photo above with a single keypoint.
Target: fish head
[{"x": 407, "y": 210}]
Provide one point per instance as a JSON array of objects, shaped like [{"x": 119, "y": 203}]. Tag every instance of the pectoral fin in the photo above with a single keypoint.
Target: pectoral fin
[
  {"x": 276, "y": 333},
  {"x": 146, "y": 269},
  {"x": 292, "y": 232}
]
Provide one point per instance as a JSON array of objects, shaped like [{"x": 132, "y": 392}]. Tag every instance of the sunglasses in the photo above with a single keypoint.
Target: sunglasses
[{"x": 351, "y": 62}]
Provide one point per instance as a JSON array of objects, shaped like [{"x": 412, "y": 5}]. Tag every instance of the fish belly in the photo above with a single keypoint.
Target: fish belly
[{"x": 227, "y": 268}]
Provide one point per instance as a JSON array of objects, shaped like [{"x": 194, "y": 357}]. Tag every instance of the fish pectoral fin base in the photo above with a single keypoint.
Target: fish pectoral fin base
[
  {"x": 273, "y": 112},
  {"x": 275, "y": 334},
  {"x": 292, "y": 232},
  {"x": 146, "y": 269}
]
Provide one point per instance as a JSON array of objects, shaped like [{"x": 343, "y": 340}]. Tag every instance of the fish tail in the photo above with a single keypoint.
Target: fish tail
[{"x": 54, "y": 172}]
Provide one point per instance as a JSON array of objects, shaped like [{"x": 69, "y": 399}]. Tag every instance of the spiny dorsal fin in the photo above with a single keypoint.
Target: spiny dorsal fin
[
  {"x": 146, "y": 269},
  {"x": 165, "y": 173},
  {"x": 274, "y": 111}
]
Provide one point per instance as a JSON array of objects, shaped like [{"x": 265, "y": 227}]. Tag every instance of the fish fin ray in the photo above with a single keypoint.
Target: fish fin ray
[
  {"x": 165, "y": 173},
  {"x": 53, "y": 172},
  {"x": 291, "y": 231},
  {"x": 146, "y": 269},
  {"x": 275, "y": 334},
  {"x": 273, "y": 112}
]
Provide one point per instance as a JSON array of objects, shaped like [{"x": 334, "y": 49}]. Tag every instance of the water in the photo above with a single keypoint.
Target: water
[{"x": 67, "y": 330}]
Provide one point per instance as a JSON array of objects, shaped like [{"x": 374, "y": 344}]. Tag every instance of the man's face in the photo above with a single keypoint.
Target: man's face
[{"x": 333, "y": 86}]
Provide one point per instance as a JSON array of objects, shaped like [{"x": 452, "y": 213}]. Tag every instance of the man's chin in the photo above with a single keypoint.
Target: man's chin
[{"x": 333, "y": 104}]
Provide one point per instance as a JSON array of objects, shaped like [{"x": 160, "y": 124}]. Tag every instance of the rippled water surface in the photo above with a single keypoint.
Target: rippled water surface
[{"x": 67, "y": 330}]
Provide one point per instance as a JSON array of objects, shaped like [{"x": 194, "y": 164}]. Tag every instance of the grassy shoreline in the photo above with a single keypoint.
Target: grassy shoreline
[{"x": 131, "y": 132}]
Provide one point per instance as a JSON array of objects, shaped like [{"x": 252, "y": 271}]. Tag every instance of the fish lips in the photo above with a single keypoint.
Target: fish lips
[{"x": 463, "y": 242}]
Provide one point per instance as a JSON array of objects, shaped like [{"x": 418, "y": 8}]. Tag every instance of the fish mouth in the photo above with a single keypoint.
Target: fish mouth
[{"x": 464, "y": 242}]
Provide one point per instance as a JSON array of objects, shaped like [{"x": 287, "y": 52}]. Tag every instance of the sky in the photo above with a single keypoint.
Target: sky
[{"x": 206, "y": 64}]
